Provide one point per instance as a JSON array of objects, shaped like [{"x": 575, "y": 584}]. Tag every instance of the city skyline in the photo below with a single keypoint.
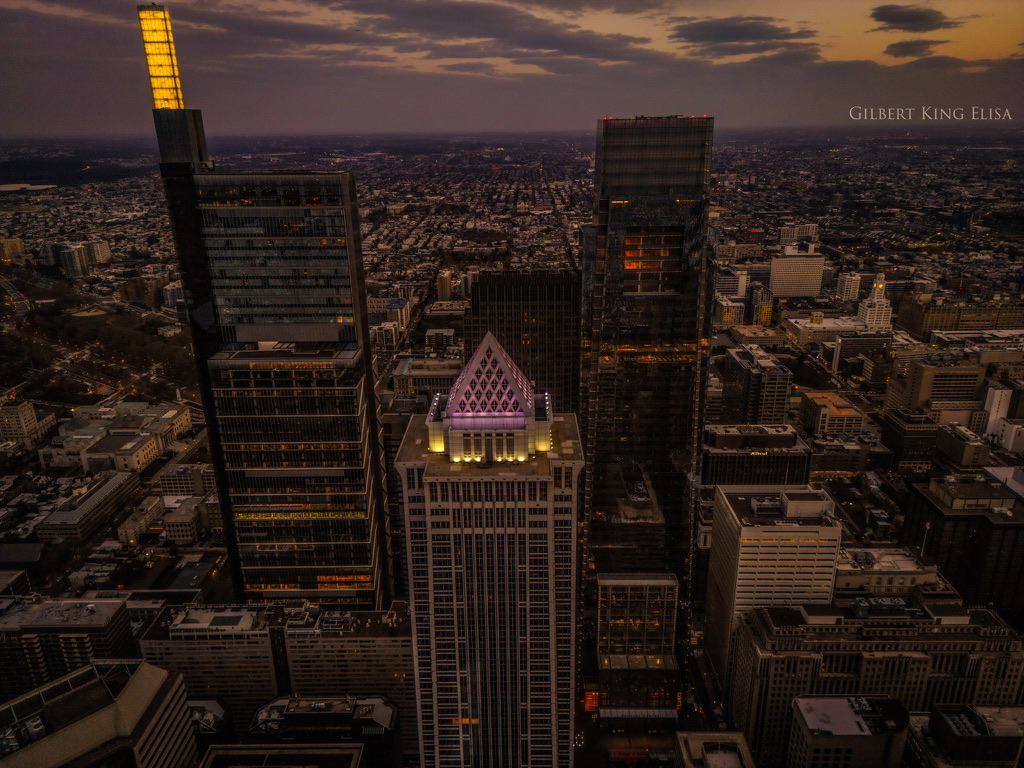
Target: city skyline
[{"x": 480, "y": 66}]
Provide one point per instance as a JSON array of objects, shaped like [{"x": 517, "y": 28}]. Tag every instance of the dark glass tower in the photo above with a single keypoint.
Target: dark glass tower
[
  {"x": 272, "y": 272},
  {"x": 646, "y": 309},
  {"x": 535, "y": 315}
]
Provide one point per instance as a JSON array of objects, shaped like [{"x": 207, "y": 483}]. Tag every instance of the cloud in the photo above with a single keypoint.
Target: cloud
[
  {"x": 911, "y": 18},
  {"x": 912, "y": 49},
  {"x": 616, "y": 6},
  {"x": 739, "y": 35},
  {"x": 471, "y": 67}
]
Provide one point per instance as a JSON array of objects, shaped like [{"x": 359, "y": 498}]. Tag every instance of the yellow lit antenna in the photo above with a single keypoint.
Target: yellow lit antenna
[{"x": 155, "y": 21}]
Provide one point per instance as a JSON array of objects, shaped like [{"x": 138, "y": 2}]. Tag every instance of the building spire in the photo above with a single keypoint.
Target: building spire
[{"x": 161, "y": 58}]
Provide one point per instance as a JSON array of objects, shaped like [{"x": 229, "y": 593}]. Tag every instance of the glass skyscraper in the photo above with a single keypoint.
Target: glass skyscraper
[
  {"x": 646, "y": 309},
  {"x": 272, "y": 273}
]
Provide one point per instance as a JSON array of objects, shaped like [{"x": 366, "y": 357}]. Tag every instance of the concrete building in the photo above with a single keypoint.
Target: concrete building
[
  {"x": 433, "y": 374},
  {"x": 829, "y": 413},
  {"x": 19, "y": 422},
  {"x": 490, "y": 482},
  {"x": 953, "y": 735},
  {"x": 796, "y": 272},
  {"x": 223, "y": 652},
  {"x": 847, "y": 732},
  {"x": 108, "y": 713},
  {"x": 43, "y": 640},
  {"x": 924, "y": 313},
  {"x": 875, "y": 312},
  {"x": 848, "y": 286},
  {"x": 755, "y": 387},
  {"x": 716, "y": 749},
  {"x": 919, "y": 651},
  {"x": 106, "y": 498},
  {"x": 960, "y": 448},
  {"x": 358, "y": 653},
  {"x": 369, "y": 721},
  {"x": 770, "y": 545}
]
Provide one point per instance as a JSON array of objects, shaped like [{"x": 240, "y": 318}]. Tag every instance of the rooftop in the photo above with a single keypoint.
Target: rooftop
[
  {"x": 565, "y": 441},
  {"x": 849, "y": 715},
  {"x": 79, "y": 614}
]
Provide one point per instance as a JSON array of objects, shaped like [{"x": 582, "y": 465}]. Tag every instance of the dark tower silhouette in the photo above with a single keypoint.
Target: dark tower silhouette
[{"x": 273, "y": 279}]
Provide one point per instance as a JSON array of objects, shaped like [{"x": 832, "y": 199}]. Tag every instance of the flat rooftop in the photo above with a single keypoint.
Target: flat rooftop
[
  {"x": 565, "y": 444},
  {"x": 887, "y": 560},
  {"x": 60, "y": 614},
  {"x": 833, "y": 715},
  {"x": 234, "y": 619}
]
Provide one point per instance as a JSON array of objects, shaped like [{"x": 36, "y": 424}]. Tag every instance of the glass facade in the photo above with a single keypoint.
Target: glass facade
[
  {"x": 646, "y": 304},
  {"x": 273, "y": 283}
]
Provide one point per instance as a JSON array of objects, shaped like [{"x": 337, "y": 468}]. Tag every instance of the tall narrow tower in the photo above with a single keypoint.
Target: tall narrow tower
[
  {"x": 273, "y": 280},
  {"x": 490, "y": 480},
  {"x": 646, "y": 306}
]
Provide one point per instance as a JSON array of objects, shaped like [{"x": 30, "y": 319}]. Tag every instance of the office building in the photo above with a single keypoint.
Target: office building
[
  {"x": 797, "y": 232},
  {"x": 755, "y": 387},
  {"x": 357, "y": 653},
  {"x": 954, "y": 735},
  {"x": 769, "y": 546},
  {"x": 490, "y": 482},
  {"x": 848, "y": 286},
  {"x": 223, "y": 652},
  {"x": 444, "y": 285},
  {"x": 936, "y": 381},
  {"x": 923, "y": 313},
  {"x": 911, "y": 437},
  {"x": 536, "y": 316},
  {"x": 647, "y": 303},
  {"x": 762, "y": 304},
  {"x": 19, "y": 422},
  {"x": 959, "y": 448},
  {"x": 829, "y": 413},
  {"x": 754, "y": 454},
  {"x": 876, "y": 311},
  {"x": 43, "y": 640},
  {"x": 273, "y": 280},
  {"x": 847, "y": 732},
  {"x": 120, "y": 713},
  {"x": 796, "y": 272},
  {"x": 974, "y": 531},
  {"x": 638, "y": 676},
  {"x": 914, "y": 649}
]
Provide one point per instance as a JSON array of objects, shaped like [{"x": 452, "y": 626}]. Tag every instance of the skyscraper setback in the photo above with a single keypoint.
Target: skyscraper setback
[
  {"x": 272, "y": 274},
  {"x": 647, "y": 296}
]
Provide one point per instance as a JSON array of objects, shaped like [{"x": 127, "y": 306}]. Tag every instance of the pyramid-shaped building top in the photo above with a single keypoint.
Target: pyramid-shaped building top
[
  {"x": 491, "y": 399},
  {"x": 490, "y": 384}
]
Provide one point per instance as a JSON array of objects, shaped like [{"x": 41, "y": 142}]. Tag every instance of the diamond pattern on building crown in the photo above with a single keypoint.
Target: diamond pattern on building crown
[{"x": 491, "y": 384}]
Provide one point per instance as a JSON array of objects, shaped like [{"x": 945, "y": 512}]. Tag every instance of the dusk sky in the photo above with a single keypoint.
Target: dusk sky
[{"x": 76, "y": 67}]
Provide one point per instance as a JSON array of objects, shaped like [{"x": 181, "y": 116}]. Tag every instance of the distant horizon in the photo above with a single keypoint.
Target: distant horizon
[{"x": 880, "y": 128}]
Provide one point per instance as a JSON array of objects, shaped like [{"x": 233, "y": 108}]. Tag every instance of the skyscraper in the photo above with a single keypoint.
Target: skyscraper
[
  {"x": 490, "y": 478},
  {"x": 272, "y": 274},
  {"x": 537, "y": 316},
  {"x": 647, "y": 298}
]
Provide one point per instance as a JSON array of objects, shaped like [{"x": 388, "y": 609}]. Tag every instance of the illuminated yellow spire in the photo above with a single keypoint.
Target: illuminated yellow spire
[{"x": 160, "y": 56}]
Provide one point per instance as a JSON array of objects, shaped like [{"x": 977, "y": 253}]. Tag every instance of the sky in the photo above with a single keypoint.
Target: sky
[{"x": 264, "y": 67}]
